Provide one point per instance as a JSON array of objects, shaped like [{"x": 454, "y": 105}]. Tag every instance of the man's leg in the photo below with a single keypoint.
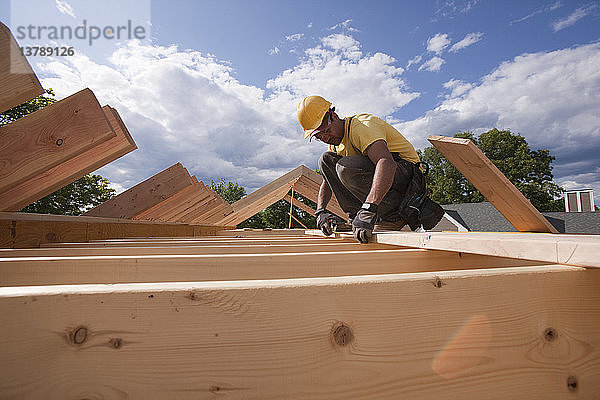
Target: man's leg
[
  {"x": 356, "y": 175},
  {"x": 327, "y": 164}
]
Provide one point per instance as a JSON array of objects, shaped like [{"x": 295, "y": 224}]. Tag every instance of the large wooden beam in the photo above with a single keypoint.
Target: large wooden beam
[
  {"x": 578, "y": 250},
  {"x": 18, "y": 82},
  {"x": 145, "y": 194},
  {"x": 22, "y": 230},
  {"x": 492, "y": 183},
  {"x": 31, "y": 271},
  {"x": 515, "y": 333},
  {"x": 72, "y": 169},
  {"x": 44, "y": 139},
  {"x": 173, "y": 205}
]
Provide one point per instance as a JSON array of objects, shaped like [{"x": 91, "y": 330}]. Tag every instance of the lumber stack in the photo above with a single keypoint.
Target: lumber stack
[
  {"x": 282, "y": 314},
  {"x": 56, "y": 145}
]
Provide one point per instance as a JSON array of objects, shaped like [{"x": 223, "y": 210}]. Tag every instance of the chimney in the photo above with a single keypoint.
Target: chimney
[{"x": 579, "y": 200}]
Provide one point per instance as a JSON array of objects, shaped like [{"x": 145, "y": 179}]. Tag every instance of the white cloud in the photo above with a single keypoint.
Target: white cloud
[
  {"x": 552, "y": 99},
  {"x": 470, "y": 39},
  {"x": 452, "y": 8},
  {"x": 438, "y": 43},
  {"x": 65, "y": 8},
  {"x": 294, "y": 37},
  {"x": 310, "y": 25},
  {"x": 186, "y": 106},
  {"x": 414, "y": 61},
  {"x": 573, "y": 18},
  {"x": 546, "y": 9},
  {"x": 433, "y": 64},
  {"x": 345, "y": 25},
  {"x": 275, "y": 50}
]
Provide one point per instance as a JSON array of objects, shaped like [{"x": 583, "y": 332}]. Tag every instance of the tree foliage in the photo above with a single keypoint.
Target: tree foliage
[
  {"x": 74, "y": 198},
  {"x": 275, "y": 216},
  {"x": 529, "y": 170}
]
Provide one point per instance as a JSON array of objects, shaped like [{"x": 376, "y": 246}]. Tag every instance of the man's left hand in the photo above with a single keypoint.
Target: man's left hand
[{"x": 363, "y": 225}]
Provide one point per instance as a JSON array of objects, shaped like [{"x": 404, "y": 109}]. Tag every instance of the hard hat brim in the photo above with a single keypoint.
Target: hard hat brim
[{"x": 310, "y": 132}]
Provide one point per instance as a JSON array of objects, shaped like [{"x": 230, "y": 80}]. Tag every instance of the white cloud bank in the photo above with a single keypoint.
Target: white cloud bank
[
  {"x": 437, "y": 44},
  {"x": 552, "y": 99},
  {"x": 185, "y": 106},
  {"x": 433, "y": 65},
  {"x": 470, "y": 39}
]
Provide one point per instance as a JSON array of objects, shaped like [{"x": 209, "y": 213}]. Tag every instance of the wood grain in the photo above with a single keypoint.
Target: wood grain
[
  {"x": 56, "y": 133},
  {"x": 72, "y": 169},
  {"x": 492, "y": 183},
  {"x": 145, "y": 194},
  {"x": 476, "y": 335},
  {"x": 18, "y": 82},
  {"x": 31, "y": 271}
]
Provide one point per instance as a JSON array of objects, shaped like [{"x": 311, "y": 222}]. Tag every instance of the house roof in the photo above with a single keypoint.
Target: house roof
[{"x": 483, "y": 217}]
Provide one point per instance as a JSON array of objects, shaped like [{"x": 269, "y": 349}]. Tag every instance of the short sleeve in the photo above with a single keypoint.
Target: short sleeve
[{"x": 365, "y": 132}]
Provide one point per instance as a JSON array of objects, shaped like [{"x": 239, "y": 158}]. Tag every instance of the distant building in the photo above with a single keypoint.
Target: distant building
[
  {"x": 581, "y": 200},
  {"x": 483, "y": 217}
]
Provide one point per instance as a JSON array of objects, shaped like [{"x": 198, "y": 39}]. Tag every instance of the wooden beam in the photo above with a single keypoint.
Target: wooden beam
[
  {"x": 177, "y": 203},
  {"x": 18, "y": 82},
  {"x": 578, "y": 250},
  {"x": 304, "y": 207},
  {"x": 72, "y": 169},
  {"x": 44, "y": 139},
  {"x": 22, "y": 230},
  {"x": 492, "y": 183},
  {"x": 230, "y": 247},
  {"x": 515, "y": 333},
  {"x": 31, "y": 271},
  {"x": 145, "y": 194}
]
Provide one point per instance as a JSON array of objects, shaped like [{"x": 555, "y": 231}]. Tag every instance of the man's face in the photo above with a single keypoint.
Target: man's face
[{"x": 331, "y": 130}]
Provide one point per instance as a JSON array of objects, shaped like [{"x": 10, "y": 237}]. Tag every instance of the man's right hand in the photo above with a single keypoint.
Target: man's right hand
[{"x": 324, "y": 221}]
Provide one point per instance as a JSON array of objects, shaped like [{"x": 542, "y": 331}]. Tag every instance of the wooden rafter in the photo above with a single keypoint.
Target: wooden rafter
[
  {"x": 18, "y": 82},
  {"x": 72, "y": 169},
  {"x": 492, "y": 183},
  {"x": 44, "y": 139}
]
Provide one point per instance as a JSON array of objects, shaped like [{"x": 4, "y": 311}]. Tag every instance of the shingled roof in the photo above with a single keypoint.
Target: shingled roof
[{"x": 483, "y": 217}]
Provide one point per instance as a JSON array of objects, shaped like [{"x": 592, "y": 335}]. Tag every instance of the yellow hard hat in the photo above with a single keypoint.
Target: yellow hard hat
[{"x": 311, "y": 111}]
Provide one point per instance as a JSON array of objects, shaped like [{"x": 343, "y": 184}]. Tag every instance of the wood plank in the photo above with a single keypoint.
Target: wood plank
[
  {"x": 578, "y": 250},
  {"x": 310, "y": 190},
  {"x": 22, "y": 230},
  {"x": 145, "y": 194},
  {"x": 207, "y": 248},
  {"x": 517, "y": 333},
  {"x": 18, "y": 82},
  {"x": 492, "y": 183},
  {"x": 32, "y": 271},
  {"x": 44, "y": 139},
  {"x": 177, "y": 203},
  {"x": 297, "y": 203},
  {"x": 72, "y": 169}
]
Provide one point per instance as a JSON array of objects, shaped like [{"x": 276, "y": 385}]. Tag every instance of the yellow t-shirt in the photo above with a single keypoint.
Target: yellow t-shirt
[{"x": 366, "y": 129}]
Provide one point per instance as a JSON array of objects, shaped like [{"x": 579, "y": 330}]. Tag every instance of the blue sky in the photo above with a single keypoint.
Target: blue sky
[{"x": 214, "y": 84}]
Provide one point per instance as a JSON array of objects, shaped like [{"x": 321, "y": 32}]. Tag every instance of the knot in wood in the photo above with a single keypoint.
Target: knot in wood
[
  {"x": 116, "y": 343},
  {"x": 342, "y": 335},
  {"x": 80, "y": 335},
  {"x": 550, "y": 334},
  {"x": 572, "y": 383},
  {"x": 59, "y": 142}
]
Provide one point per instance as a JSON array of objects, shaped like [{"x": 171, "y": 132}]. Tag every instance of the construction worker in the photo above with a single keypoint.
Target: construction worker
[{"x": 374, "y": 172}]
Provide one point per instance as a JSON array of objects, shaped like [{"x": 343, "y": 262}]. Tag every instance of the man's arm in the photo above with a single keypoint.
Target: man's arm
[
  {"x": 324, "y": 195},
  {"x": 385, "y": 169}
]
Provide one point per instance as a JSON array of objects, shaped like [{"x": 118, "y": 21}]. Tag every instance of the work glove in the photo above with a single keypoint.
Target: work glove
[
  {"x": 363, "y": 224},
  {"x": 326, "y": 221}
]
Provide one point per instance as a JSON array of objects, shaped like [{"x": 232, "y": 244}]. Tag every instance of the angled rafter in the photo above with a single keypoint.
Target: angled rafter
[
  {"x": 145, "y": 194},
  {"x": 72, "y": 169},
  {"x": 18, "y": 82},
  {"x": 297, "y": 203},
  {"x": 305, "y": 181},
  {"x": 46, "y": 138},
  {"x": 492, "y": 183}
]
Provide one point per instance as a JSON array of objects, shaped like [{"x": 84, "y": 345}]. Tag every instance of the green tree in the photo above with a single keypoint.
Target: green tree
[
  {"x": 74, "y": 198},
  {"x": 529, "y": 170},
  {"x": 229, "y": 191}
]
